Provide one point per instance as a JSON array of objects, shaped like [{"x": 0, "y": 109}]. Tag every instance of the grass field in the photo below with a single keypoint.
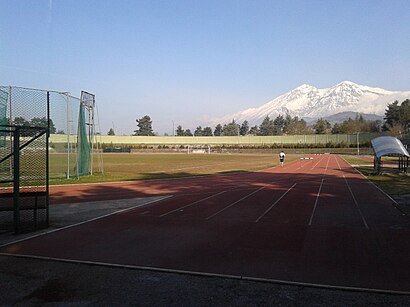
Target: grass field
[
  {"x": 390, "y": 181},
  {"x": 126, "y": 167}
]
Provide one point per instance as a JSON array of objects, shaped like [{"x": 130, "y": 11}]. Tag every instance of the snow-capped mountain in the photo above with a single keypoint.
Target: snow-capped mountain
[{"x": 307, "y": 101}]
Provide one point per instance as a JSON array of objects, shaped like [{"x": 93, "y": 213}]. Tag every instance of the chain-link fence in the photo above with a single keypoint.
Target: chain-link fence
[
  {"x": 23, "y": 106},
  {"x": 23, "y": 178},
  {"x": 64, "y": 110},
  {"x": 24, "y": 126},
  {"x": 28, "y": 159}
]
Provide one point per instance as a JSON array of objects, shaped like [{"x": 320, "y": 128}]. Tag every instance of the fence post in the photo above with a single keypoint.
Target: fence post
[
  {"x": 16, "y": 178},
  {"x": 47, "y": 161}
]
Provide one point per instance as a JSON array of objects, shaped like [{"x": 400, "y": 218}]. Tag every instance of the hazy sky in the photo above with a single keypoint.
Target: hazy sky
[{"x": 185, "y": 61}]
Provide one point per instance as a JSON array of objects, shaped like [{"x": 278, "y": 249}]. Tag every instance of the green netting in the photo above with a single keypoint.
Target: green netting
[{"x": 83, "y": 145}]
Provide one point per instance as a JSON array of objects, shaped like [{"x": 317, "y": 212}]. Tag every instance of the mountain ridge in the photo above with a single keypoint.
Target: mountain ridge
[{"x": 307, "y": 101}]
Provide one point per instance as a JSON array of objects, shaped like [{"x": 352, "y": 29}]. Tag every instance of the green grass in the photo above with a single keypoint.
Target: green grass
[
  {"x": 356, "y": 160},
  {"x": 391, "y": 181},
  {"x": 128, "y": 167}
]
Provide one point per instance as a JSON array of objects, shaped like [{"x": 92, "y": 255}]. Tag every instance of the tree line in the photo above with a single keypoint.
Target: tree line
[
  {"x": 34, "y": 122},
  {"x": 396, "y": 121}
]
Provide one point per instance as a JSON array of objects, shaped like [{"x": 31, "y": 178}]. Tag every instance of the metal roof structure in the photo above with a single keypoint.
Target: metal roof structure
[{"x": 388, "y": 146}]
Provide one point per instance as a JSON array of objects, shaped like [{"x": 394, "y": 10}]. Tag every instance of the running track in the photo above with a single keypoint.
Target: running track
[{"x": 312, "y": 221}]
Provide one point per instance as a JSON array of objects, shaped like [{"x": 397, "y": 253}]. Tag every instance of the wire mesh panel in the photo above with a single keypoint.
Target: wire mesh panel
[
  {"x": 64, "y": 118},
  {"x": 6, "y": 180},
  {"x": 24, "y": 179},
  {"x": 25, "y": 106},
  {"x": 24, "y": 126}
]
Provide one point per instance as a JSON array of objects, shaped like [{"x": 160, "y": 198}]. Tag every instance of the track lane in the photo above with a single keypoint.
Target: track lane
[{"x": 282, "y": 246}]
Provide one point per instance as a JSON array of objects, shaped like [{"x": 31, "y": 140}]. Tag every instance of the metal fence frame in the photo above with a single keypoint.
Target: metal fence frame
[
  {"x": 62, "y": 112},
  {"x": 36, "y": 199}
]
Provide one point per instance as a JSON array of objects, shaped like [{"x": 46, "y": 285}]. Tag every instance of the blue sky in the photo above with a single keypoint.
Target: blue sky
[{"x": 185, "y": 61}]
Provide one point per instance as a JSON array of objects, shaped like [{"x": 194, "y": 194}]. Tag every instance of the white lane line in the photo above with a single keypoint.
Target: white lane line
[
  {"x": 357, "y": 205},
  {"x": 394, "y": 203},
  {"x": 354, "y": 198},
  {"x": 318, "y": 162},
  {"x": 338, "y": 165},
  {"x": 327, "y": 164},
  {"x": 234, "y": 203},
  {"x": 191, "y": 204},
  {"x": 263, "y": 214},
  {"x": 318, "y": 193},
  {"x": 86, "y": 221},
  {"x": 317, "y": 199},
  {"x": 305, "y": 164}
]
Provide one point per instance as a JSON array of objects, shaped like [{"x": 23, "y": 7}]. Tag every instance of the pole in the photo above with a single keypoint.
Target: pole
[
  {"x": 16, "y": 179},
  {"x": 358, "y": 146},
  {"x": 47, "y": 162},
  {"x": 68, "y": 135},
  {"x": 173, "y": 128}
]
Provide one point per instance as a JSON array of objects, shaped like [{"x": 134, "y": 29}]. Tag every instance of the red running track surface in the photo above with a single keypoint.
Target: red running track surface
[{"x": 312, "y": 221}]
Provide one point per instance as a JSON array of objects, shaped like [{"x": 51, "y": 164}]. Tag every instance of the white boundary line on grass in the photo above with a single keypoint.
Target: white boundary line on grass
[
  {"x": 205, "y": 274},
  {"x": 84, "y": 222}
]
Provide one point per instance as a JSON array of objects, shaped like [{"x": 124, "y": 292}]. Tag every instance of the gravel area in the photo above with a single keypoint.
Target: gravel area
[
  {"x": 36, "y": 282},
  {"x": 31, "y": 282}
]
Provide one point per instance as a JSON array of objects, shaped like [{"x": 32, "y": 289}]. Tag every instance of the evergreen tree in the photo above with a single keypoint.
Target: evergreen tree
[
  {"x": 111, "y": 132},
  {"x": 322, "y": 126},
  {"x": 392, "y": 115},
  {"x": 359, "y": 124},
  {"x": 144, "y": 126},
  {"x": 244, "y": 128},
  {"x": 179, "y": 131},
  {"x": 405, "y": 115},
  {"x": 336, "y": 129},
  {"x": 288, "y": 121},
  {"x": 188, "y": 133},
  {"x": 254, "y": 130},
  {"x": 218, "y": 130},
  {"x": 296, "y": 126},
  {"x": 398, "y": 115},
  {"x": 267, "y": 127},
  {"x": 279, "y": 124},
  {"x": 198, "y": 131},
  {"x": 231, "y": 129},
  {"x": 207, "y": 131}
]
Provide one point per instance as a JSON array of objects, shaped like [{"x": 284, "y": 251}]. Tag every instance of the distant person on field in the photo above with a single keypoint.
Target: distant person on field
[{"x": 281, "y": 157}]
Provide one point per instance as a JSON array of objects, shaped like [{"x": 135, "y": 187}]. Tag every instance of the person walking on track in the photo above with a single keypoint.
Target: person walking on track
[{"x": 281, "y": 157}]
